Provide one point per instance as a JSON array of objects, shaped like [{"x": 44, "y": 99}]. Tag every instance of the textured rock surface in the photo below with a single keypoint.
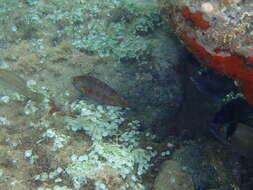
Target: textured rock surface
[
  {"x": 172, "y": 177},
  {"x": 132, "y": 54},
  {"x": 46, "y": 42},
  {"x": 198, "y": 166},
  {"x": 208, "y": 163},
  {"x": 218, "y": 33}
]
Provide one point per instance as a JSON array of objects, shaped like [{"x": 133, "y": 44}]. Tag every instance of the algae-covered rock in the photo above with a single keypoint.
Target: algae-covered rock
[
  {"x": 198, "y": 166},
  {"x": 209, "y": 164},
  {"x": 12, "y": 82},
  {"x": 132, "y": 53},
  {"x": 172, "y": 177},
  {"x": 218, "y": 33}
]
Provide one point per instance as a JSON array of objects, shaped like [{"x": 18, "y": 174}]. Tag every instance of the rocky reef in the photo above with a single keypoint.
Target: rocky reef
[
  {"x": 218, "y": 33},
  {"x": 90, "y": 93}
]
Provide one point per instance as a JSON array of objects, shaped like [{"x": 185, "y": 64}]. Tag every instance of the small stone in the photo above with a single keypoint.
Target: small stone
[
  {"x": 5, "y": 99},
  {"x": 14, "y": 28},
  {"x": 58, "y": 180},
  {"x": 28, "y": 153}
]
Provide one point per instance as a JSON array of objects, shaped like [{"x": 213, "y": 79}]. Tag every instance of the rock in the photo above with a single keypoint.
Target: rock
[
  {"x": 152, "y": 89},
  {"x": 208, "y": 163},
  {"x": 218, "y": 33},
  {"x": 242, "y": 140},
  {"x": 172, "y": 177}
]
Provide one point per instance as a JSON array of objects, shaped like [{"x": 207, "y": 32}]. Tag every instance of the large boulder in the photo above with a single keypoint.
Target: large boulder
[
  {"x": 218, "y": 33},
  {"x": 172, "y": 177},
  {"x": 199, "y": 165}
]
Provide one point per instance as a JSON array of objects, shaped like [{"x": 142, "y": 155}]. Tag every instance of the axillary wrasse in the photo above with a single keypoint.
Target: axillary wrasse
[{"x": 98, "y": 90}]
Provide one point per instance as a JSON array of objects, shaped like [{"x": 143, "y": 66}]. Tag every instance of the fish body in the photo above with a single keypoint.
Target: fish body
[
  {"x": 98, "y": 90},
  {"x": 235, "y": 111},
  {"x": 226, "y": 119},
  {"x": 212, "y": 84}
]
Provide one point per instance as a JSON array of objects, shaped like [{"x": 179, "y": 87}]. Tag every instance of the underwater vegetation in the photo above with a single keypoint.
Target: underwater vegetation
[
  {"x": 117, "y": 40},
  {"x": 110, "y": 158},
  {"x": 104, "y": 28},
  {"x": 61, "y": 142}
]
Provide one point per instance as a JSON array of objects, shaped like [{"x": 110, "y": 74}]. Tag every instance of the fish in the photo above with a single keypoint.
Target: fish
[
  {"x": 234, "y": 111},
  {"x": 98, "y": 90},
  {"x": 226, "y": 119},
  {"x": 212, "y": 83},
  {"x": 11, "y": 81}
]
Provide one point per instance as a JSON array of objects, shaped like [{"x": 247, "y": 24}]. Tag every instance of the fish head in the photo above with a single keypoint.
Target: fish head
[
  {"x": 74, "y": 79},
  {"x": 213, "y": 84},
  {"x": 78, "y": 82}
]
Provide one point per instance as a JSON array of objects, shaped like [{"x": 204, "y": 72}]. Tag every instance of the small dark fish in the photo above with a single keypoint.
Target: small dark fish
[
  {"x": 226, "y": 119},
  {"x": 98, "y": 90},
  {"x": 235, "y": 111},
  {"x": 212, "y": 84}
]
